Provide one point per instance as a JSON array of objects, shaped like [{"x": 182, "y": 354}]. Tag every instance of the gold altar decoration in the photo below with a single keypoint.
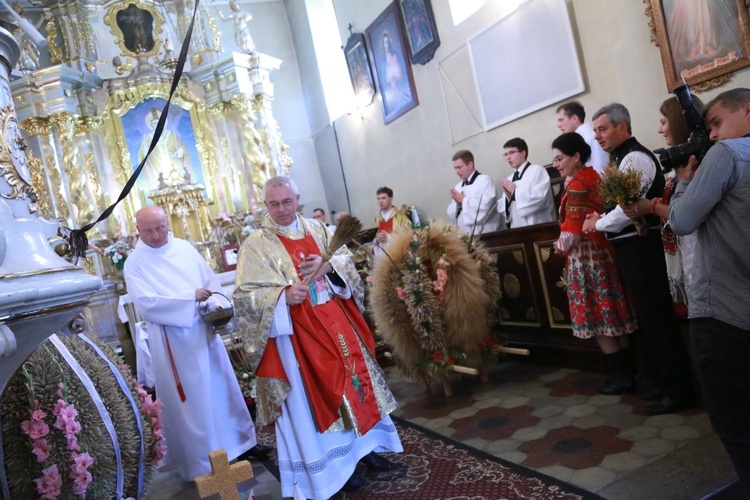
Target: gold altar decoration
[
  {"x": 79, "y": 183},
  {"x": 132, "y": 11},
  {"x": 13, "y": 165},
  {"x": 55, "y": 53},
  {"x": 186, "y": 209}
]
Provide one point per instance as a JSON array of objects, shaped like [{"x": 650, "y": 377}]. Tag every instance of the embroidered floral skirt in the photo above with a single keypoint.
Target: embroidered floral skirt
[{"x": 598, "y": 305}]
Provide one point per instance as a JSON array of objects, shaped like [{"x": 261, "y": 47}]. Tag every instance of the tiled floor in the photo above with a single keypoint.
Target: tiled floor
[{"x": 553, "y": 420}]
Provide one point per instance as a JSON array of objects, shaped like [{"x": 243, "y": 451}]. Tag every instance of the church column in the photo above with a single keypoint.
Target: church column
[
  {"x": 260, "y": 70},
  {"x": 84, "y": 207},
  {"x": 46, "y": 176}
]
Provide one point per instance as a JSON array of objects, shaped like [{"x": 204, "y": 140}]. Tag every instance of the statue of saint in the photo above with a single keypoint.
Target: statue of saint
[
  {"x": 170, "y": 158},
  {"x": 241, "y": 20}
]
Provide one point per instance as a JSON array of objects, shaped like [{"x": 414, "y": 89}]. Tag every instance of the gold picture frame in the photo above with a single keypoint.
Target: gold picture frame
[
  {"x": 137, "y": 28},
  {"x": 703, "y": 53}
]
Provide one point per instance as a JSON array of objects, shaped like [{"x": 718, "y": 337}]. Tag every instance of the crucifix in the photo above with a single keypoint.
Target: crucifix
[{"x": 350, "y": 29}]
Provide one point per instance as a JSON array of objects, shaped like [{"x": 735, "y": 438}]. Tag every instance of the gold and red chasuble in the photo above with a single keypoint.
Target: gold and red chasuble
[
  {"x": 329, "y": 353},
  {"x": 386, "y": 225}
]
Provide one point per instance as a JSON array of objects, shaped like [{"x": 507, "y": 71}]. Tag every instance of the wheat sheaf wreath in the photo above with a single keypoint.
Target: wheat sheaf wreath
[{"x": 433, "y": 292}]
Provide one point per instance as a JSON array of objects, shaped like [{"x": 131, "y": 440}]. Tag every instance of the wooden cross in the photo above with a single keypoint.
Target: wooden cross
[{"x": 223, "y": 478}]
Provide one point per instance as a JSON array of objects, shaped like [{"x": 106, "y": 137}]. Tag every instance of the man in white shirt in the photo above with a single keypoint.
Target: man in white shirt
[
  {"x": 571, "y": 118},
  {"x": 472, "y": 208},
  {"x": 661, "y": 350},
  {"x": 204, "y": 409},
  {"x": 527, "y": 193}
]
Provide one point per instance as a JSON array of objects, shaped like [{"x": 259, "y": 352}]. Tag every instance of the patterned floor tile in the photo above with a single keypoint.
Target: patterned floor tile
[
  {"x": 494, "y": 423},
  {"x": 573, "y": 447}
]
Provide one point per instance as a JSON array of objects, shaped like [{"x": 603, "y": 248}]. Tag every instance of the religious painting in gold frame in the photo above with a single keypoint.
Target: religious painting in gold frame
[
  {"x": 137, "y": 27},
  {"x": 123, "y": 101},
  {"x": 702, "y": 41}
]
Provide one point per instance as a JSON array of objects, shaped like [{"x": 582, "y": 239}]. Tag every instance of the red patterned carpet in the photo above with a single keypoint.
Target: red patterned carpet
[{"x": 434, "y": 467}]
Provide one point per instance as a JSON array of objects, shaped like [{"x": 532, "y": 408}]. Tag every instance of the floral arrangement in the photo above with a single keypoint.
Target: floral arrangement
[
  {"x": 434, "y": 297},
  {"x": 622, "y": 187},
  {"x": 246, "y": 379},
  {"x": 117, "y": 253},
  {"x": 56, "y": 443}
]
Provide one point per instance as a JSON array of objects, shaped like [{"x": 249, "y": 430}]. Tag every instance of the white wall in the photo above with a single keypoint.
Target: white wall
[{"x": 412, "y": 154}]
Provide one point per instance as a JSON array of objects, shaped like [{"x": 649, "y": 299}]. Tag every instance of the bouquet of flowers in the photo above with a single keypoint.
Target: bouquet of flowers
[
  {"x": 622, "y": 187},
  {"x": 118, "y": 252},
  {"x": 434, "y": 299}
]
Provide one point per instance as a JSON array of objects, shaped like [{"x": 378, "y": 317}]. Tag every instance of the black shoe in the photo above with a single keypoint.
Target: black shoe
[
  {"x": 616, "y": 386},
  {"x": 375, "y": 462},
  {"x": 667, "y": 405},
  {"x": 652, "y": 395},
  {"x": 258, "y": 451},
  {"x": 354, "y": 483}
]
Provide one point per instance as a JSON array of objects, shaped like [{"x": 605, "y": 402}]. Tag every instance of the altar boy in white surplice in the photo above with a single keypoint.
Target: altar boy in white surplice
[{"x": 203, "y": 405}]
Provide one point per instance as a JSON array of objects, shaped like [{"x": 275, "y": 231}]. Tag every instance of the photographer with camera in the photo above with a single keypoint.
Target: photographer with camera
[
  {"x": 677, "y": 130},
  {"x": 714, "y": 202}
]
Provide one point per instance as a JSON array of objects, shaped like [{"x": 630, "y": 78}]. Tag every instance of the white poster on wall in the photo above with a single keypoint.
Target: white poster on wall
[{"x": 525, "y": 61}]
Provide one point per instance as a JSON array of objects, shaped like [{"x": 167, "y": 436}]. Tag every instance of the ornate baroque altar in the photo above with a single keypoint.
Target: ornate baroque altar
[{"x": 87, "y": 105}]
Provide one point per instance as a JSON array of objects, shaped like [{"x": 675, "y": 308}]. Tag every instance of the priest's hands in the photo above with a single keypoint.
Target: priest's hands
[
  {"x": 202, "y": 294},
  {"x": 381, "y": 237},
  {"x": 310, "y": 264},
  {"x": 457, "y": 196},
  {"x": 508, "y": 186},
  {"x": 296, "y": 294}
]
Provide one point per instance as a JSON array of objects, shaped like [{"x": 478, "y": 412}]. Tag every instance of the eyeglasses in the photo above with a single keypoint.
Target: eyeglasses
[
  {"x": 274, "y": 205},
  {"x": 510, "y": 153},
  {"x": 559, "y": 159}
]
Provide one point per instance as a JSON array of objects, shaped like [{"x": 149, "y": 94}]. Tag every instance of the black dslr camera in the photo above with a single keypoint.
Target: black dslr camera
[{"x": 698, "y": 143}]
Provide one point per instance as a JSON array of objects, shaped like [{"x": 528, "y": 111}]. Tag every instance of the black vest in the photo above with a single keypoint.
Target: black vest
[{"x": 657, "y": 186}]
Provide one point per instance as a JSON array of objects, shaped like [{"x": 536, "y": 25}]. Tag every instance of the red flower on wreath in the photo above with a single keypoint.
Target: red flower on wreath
[{"x": 437, "y": 356}]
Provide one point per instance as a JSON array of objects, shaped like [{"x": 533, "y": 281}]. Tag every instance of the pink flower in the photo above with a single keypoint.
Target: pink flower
[
  {"x": 49, "y": 484},
  {"x": 72, "y": 440},
  {"x": 401, "y": 294},
  {"x": 35, "y": 427},
  {"x": 82, "y": 459},
  {"x": 441, "y": 262},
  {"x": 41, "y": 450},
  {"x": 159, "y": 452}
]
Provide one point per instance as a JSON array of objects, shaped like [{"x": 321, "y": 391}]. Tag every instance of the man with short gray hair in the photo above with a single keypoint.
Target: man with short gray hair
[
  {"x": 312, "y": 352},
  {"x": 640, "y": 259}
]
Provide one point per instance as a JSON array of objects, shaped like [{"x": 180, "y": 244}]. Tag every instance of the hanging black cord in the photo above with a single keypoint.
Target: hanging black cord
[{"x": 78, "y": 240}]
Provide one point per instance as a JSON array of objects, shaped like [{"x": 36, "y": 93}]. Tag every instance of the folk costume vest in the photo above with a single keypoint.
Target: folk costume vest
[{"x": 656, "y": 189}]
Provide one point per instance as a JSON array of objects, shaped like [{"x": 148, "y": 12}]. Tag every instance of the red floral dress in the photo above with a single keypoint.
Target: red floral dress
[{"x": 598, "y": 305}]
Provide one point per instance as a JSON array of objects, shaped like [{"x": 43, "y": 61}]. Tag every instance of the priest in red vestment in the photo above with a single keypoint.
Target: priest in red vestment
[
  {"x": 312, "y": 352},
  {"x": 389, "y": 219}
]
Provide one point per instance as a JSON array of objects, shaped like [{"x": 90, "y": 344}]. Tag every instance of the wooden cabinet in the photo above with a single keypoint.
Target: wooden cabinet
[{"x": 534, "y": 310}]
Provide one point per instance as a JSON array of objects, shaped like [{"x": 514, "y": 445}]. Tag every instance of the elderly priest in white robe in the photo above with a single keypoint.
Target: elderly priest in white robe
[
  {"x": 312, "y": 352},
  {"x": 203, "y": 407}
]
